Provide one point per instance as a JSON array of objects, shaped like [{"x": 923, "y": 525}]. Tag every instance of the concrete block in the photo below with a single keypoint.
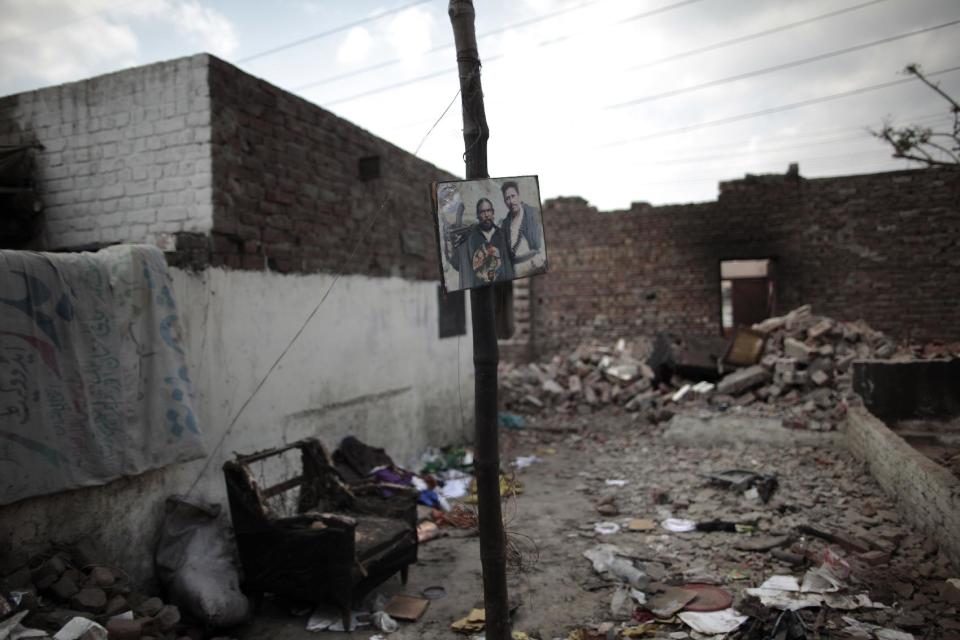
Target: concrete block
[
  {"x": 149, "y": 607},
  {"x": 120, "y": 629},
  {"x": 102, "y": 577},
  {"x": 797, "y": 350},
  {"x": 743, "y": 380}
]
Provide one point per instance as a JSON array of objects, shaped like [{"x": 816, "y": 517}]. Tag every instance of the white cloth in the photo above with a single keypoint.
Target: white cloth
[{"x": 93, "y": 378}]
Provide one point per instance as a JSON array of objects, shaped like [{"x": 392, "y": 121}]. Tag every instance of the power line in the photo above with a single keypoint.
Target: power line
[
  {"x": 781, "y": 67},
  {"x": 768, "y": 111},
  {"x": 330, "y": 32},
  {"x": 447, "y": 45},
  {"x": 754, "y": 36},
  {"x": 645, "y": 14},
  {"x": 806, "y": 135},
  {"x": 398, "y": 85},
  {"x": 404, "y": 83}
]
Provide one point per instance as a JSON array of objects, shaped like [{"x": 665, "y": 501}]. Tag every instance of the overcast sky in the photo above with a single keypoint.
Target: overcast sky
[{"x": 574, "y": 89}]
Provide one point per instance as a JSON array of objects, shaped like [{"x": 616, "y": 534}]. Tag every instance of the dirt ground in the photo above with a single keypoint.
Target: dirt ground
[{"x": 552, "y": 524}]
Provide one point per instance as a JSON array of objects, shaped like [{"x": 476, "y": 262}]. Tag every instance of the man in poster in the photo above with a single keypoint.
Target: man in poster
[
  {"x": 483, "y": 256},
  {"x": 524, "y": 231}
]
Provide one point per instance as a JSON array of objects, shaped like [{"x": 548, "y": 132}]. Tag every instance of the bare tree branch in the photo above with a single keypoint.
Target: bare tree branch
[{"x": 914, "y": 142}]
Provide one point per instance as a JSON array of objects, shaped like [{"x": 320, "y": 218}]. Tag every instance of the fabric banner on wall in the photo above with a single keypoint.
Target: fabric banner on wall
[{"x": 93, "y": 378}]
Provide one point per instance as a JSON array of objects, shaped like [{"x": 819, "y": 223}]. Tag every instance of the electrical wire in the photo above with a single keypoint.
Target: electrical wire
[
  {"x": 330, "y": 32},
  {"x": 448, "y": 45},
  {"x": 781, "y": 67},
  {"x": 488, "y": 60},
  {"x": 770, "y": 110},
  {"x": 753, "y": 36}
]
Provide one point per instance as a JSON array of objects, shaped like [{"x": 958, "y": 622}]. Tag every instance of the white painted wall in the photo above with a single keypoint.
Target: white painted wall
[{"x": 369, "y": 364}]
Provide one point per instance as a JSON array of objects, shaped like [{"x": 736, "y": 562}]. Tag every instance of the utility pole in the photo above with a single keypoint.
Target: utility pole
[{"x": 486, "y": 356}]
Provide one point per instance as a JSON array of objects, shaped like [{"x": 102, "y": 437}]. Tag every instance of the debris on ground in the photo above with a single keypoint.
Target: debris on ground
[
  {"x": 66, "y": 594},
  {"x": 803, "y": 375}
]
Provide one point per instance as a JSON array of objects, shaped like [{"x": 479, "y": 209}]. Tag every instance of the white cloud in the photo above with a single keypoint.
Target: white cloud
[
  {"x": 355, "y": 47},
  {"x": 201, "y": 25},
  {"x": 50, "y": 41},
  {"x": 410, "y": 33},
  {"x": 33, "y": 52}
]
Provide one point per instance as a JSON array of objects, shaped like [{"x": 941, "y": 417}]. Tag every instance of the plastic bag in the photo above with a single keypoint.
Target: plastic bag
[{"x": 196, "y": 566}]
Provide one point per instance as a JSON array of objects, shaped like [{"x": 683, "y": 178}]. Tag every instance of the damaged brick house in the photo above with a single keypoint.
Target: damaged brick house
[
  {"x": 883, "y": 247},
  {"x": 258, "y": 198}
]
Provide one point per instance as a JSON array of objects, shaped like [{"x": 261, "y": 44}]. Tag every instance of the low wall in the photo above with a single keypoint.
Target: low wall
[
  {"x": 906, "y": 390},
  {"x": 369, "y": 364},
  {"x": 926, "y": 494}
]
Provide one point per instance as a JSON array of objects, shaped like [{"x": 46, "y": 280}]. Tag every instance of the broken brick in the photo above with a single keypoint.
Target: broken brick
[{"x": 91, "y": 599}]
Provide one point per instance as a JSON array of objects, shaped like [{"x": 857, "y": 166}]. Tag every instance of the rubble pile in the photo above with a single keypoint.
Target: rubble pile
[
  {"x": 803, "y": 376},
  {"x": 590, "y": 378},
  {"x": 55, "y": 587}
]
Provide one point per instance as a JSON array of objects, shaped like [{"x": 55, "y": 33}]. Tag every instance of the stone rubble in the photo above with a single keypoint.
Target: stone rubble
[
  {"x": 64, "y": 583},
  {"x": 803, "y": 376},
  {"x": 827, "y": 510}
]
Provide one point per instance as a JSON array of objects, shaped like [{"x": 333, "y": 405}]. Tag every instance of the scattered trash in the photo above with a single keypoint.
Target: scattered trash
[
  {"x": 616, "y": 482},
  {"x": 761, "y": 543},
  {"x": 455, "y": 484},
  {"x": 679, "y": 526},
  {"x": 784, "y": 592},
  {"x": 384, "y": 621},
  {"x": 328, "y": 618},
  {"x": 509, "y": 486},
  {"x": 608, "y": 558},
  {"x": 195, "y": 564},
  {"x": 511, "y": 420},
  {"x": 742, "y": 481},
  {"x": 709, "y": 597},
  {"x": 622, "y": 604},
  {"x": 426, "y": 531},
  {"x": 474, "y": 622},
  {"x": 460, "y": 516},
  {"x": 522, "y": 462},
  {"x": 434, "y": 460},
  {"x": 641, "y": 524},
  {"x": 712, "y": 622},
  {"x": 11, "y": 628},
  {"x": 606, "y": 528},
  {"x": 406, "y": 608},
  {"x": 76, "y": 629},
  {"x": 865, "y": 630},
  {"x": 681, "y": 393},
  {"x": 435, "y": 592},
  {"x": 667, "y": 603}
]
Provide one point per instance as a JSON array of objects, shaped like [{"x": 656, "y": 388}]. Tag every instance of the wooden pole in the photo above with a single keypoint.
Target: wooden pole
[{"x": 485, "y": 352}]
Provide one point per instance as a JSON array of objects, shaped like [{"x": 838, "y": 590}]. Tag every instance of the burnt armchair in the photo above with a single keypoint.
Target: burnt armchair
[{"x": 310, "y": 537}]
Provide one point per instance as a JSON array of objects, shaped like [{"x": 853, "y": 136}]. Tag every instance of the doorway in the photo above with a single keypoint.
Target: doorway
[{"x": 746, "y": 293}]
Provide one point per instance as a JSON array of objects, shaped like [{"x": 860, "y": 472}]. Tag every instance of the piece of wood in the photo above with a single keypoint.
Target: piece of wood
[
  {"x": 486, "y": 356},
  {"x": 406, "y": 608}
]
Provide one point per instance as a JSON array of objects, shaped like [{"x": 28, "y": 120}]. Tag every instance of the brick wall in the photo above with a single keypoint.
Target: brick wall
[
  {"x": 926, "y": 493},
  {"x": 883, "y": 247},
  {"x": 288, "y": 195},
  {"x": 125, "y": 156}
]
